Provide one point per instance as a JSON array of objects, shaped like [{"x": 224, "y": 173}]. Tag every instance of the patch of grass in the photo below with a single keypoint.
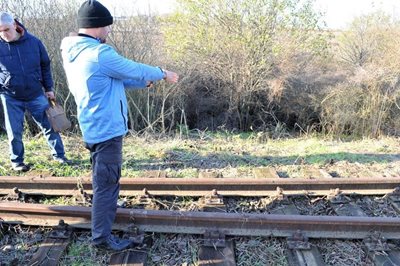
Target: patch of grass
[
  {"x": 185, "y": 173},
  {"x": 257, "y": 251},
  {"x": 173, "y": 250},
  {"x": 338, "y": 252},
  {"x": 58, "y": 201},
  {"x": 228, "y": 153},
  {"x": 80, "y": 253}
]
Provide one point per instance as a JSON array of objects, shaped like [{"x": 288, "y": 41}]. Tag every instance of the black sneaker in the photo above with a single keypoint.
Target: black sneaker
[
  {"x": 115, "y": 244},
  {"x": 62, "y": 160},
  {"x": 20, "y": 167}
]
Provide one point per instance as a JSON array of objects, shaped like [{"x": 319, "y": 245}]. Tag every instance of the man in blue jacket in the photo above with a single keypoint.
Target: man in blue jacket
[
  {"x": 24, "y": 73},
  {"x": 97, "y": 76}
]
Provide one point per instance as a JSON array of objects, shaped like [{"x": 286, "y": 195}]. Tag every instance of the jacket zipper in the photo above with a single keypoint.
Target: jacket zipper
[
  {"x": 20, "y": 61},
  {"x": 122, "y": 113},
  {"x": 22, "y": 65}
]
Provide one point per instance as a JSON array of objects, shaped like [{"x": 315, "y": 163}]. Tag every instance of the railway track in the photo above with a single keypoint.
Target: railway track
[
  {"x": 215, "y": 228},
  {"x": 234, "y": 224},
  {"x": 200, "y": 187},
  {"x": 379, "y": 235}
]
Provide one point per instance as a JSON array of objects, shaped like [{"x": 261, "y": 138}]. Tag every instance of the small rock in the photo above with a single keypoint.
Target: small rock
[
  {"x": 156, "y": 259},
  {"x": 8, "y": 248}
]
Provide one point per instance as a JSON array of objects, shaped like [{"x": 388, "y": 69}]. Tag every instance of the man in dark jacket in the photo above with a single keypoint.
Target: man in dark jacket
[{"x": 24, "y": 73}]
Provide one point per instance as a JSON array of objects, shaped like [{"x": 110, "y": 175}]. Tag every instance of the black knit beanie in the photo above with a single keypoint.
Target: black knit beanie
[{"x": 93, "y": 14}]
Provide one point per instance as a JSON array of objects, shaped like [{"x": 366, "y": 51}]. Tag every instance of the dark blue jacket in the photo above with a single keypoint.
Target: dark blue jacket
[{"x": 24, "y": 67}]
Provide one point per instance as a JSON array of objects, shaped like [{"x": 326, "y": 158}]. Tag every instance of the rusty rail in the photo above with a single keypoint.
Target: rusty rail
[
  {"x": 342, "y": 227},
  {"x": 200, "y": 187}
]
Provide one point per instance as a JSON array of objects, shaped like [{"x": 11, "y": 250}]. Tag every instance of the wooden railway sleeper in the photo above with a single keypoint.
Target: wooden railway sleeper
[
  {"x": 214, "y": 239},
  {"x": 301, "y": 252},
  {"x": 298, "y": 241},
  {"x": 380, "y": 251},
  {"x": 394, "y": 198},
  {"x": 133, "y": 257},
  {"x": 129, "y": 258},
  {"x": 216, "y": 250},
  {"x": 54, "y": 246}
]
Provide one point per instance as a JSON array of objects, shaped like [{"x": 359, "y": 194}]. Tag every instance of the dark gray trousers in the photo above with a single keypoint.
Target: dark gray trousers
[{"x": 106, "y": 159}]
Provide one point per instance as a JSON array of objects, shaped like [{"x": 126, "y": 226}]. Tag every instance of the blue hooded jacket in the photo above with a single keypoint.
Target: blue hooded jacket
[
  {"x": 97, "y": 77},
  {"x": 24, "y": 67}
]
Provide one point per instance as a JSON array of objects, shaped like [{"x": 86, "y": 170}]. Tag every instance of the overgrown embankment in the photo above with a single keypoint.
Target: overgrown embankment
[{"x": 244, "y": 65}]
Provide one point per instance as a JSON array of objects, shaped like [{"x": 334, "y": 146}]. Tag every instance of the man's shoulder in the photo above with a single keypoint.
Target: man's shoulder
[
  {"x": 106, "y": 48},
  {"x": 31, "y": 38},
  {"x": 106, "y": 51}
]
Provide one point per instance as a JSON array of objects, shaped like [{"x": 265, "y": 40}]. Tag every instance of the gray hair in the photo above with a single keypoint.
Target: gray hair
[{"x": 6, "y": 18}]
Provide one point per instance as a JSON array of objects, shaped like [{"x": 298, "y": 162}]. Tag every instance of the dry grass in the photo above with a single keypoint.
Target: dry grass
[
  {"x": 342, "y": 253},
  {"x": 377, "y": 207},
  {"x": 169, "y": 250},
  {"x": 18, "y": 244},
  {"x": 258, "y": 251}
]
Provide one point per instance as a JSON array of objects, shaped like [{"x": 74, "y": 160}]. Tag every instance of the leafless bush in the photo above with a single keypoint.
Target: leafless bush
[
  {"x": 248, "y": 53},
  {"x": 366, "y": 103},
  {"x": 364, "y": 109},
  {"x": 137, "y": 38},
  {"x": 244, "y": 64}
]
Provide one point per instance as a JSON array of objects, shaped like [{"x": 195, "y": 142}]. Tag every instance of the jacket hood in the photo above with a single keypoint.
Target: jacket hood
[
  {"x": 72, "y": 46},
  {"x": 21, "y": 30}
]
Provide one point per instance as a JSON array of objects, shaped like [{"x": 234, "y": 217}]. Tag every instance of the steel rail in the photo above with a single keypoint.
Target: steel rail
[
  {"x": 201, "y": 187},
  {"x": 342, "y": 227}
]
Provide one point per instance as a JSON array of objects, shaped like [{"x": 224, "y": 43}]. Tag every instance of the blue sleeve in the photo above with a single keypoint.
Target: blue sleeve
[
  {"x": 135, "y": 83},
  {"x": 45, "y": 67},
  {"x": 119, "y": 67}
]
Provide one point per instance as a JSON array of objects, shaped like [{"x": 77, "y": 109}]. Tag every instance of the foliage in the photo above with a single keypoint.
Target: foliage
[
  {"x": 244, "y": 53},
  {"x": 80, "y": 253},
  {"x": 245, "y": 65},
  {"x": 366, "y": 103}
]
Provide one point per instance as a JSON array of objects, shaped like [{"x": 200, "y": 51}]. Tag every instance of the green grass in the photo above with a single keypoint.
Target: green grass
[
  {"x": 223, "y": 152},
  {"x": 58, "y": 201},
  {"x": 80, "y": 254}
]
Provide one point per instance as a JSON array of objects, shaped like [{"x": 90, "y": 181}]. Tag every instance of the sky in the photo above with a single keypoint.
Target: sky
[
  {"x": 337, "y": 13},
  {"x": 139, "y": 6}
]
